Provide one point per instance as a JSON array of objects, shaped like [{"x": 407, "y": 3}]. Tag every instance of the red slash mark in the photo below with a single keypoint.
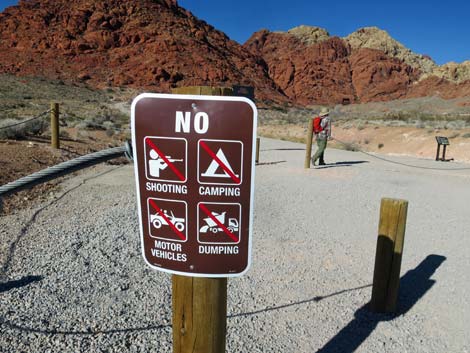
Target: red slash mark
[
  {"x": 160, "y": 212},
  {"x": 221, "y": 226},
  {"x": 162, "y": 156},
  {"x": 217, "y": 159}
]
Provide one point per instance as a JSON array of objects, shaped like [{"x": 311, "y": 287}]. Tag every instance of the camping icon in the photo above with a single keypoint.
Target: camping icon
[{"x": 220, "y": 162}]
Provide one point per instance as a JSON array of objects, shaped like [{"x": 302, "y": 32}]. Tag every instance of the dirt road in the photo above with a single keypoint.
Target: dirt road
[{"x": 73, "y": 279}]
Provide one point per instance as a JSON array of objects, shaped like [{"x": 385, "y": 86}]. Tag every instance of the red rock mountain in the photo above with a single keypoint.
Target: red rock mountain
[
  {"x": 328, "y": 71},
  {"x": 309, "y": 66},
  {"x": 153, "y": 44},
  {"x": 156, "y": 45}
]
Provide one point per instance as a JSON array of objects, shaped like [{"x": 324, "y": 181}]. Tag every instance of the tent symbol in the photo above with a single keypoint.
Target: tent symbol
[{"x": 212, "y": 169}]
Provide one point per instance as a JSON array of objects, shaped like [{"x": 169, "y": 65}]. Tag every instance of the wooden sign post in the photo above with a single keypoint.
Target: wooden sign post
[
  {"x": 199, "y": 304},
  {"x": 199, "y": 314}
]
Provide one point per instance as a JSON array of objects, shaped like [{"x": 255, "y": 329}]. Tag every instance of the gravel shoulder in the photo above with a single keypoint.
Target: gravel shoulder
[{"x": 73, "y": 279}]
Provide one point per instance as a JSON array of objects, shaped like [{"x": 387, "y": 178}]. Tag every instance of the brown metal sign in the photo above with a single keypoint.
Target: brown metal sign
[{"x": 194, "y": 166}]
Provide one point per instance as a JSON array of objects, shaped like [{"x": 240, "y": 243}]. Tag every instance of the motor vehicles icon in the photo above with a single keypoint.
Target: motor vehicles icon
[{"x": 159, "y": 220}]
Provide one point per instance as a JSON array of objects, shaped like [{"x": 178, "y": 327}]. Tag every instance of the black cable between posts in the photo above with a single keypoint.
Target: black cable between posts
[
  {"x": 65, "y": 168},
  {"x": 395, "y": 162},
  {"x": 25, "y": 121}
]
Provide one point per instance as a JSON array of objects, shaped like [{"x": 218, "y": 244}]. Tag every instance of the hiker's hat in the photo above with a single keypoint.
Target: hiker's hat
[{"x": 324, "y": 111}]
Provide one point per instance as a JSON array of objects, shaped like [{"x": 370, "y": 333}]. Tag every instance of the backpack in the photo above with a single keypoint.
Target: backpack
[{"x": 317, "y": 125}]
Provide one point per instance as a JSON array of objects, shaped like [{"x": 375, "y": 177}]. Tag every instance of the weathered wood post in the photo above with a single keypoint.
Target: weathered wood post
[
  {"x": 199, "y": 304},
  {"x": 392, "y": 224},
  {"x": 257, "y": 150},
  {"x": 199, "y": 314},
  {"x": 55, "y": 140},
  {"x": 308, "y": 142}
]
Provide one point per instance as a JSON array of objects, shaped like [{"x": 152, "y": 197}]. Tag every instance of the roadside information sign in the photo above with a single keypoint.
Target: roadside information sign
[{"x": 194, "y": 165}]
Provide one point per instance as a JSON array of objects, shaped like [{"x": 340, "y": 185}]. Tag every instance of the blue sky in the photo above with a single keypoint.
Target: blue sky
[{"x": 437, "y": 28}]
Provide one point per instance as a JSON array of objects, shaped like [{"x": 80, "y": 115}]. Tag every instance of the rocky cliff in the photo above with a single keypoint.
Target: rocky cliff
[
  {"x": 328, "y": 70},
  {"x": 368, "y": 65},
  {"x": 152, "y": 44}
]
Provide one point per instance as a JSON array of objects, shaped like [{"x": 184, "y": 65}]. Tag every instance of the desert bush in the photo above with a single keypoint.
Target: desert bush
[
  {"x": 420, "y": 124},
  {"x": 109, "y": 132},
  {"x": 457, "y": 125},
  {"x": 33, "y": 127},
  {"x": 348, "y": 146},
  {"x": 466, "y": 135},
  {"x": 380, "y": 145},
  {"x": 64, "y": 134}
]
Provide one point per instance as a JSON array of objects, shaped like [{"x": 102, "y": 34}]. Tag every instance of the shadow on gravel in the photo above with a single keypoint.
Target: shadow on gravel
[
  {"x": 5, "y": 287},
  {"x": 306, "y": 301},
  {"x": 270, "y": 163},
  {"x": 283, "y": 149},
  {"x": 413, "y": 286},
  {"x": 340, "y": 164}
]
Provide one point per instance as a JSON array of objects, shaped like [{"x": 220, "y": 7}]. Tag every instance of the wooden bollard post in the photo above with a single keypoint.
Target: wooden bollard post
[
  {"x": 257, "y": 150},
  {"x": 388, "y": 256},
  {"x": 55, "y": 140},
  {"x": 199, "y": 304},
  {"x": 308, "y": 142}
]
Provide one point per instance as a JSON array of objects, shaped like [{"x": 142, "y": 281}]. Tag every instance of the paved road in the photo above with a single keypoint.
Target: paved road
[{"x": 73, "y": 279}]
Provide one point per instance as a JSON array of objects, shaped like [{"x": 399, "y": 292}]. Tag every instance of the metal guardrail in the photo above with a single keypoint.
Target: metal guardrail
[{"x": 65, "y": 168}]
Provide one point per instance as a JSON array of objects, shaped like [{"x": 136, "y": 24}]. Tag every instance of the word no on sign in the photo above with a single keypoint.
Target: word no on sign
[{"x": 194, "y": 166}]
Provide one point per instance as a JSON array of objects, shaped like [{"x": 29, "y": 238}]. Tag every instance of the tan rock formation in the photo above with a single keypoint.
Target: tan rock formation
[
  {"x": 309, "y": 35},
  {"x": 453, "y": 72},
  {"x": 375, "y": 38}
]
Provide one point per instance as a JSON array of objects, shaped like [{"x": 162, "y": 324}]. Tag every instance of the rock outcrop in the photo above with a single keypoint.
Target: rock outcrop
[
  {"x": 309, "y": 35},
  {"x": 368, "y": 65},
  {"x": 329, "y": 70},
  {"x": 453, "y": 72},
  {"x": 375, "y": 38}
]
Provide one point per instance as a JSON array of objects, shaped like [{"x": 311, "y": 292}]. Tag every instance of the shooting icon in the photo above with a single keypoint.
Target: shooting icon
[
  {"x": 167, "y": 219},
  {"x": 170, "y": 165},
  {"x": 219, "y": 223}
]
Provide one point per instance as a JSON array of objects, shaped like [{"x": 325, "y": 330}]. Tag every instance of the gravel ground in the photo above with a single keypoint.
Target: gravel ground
[{"x": 73, "y": 279}]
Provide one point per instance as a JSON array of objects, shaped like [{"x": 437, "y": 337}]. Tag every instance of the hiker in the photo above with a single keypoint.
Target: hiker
[{"x": 322, "y": 131}]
